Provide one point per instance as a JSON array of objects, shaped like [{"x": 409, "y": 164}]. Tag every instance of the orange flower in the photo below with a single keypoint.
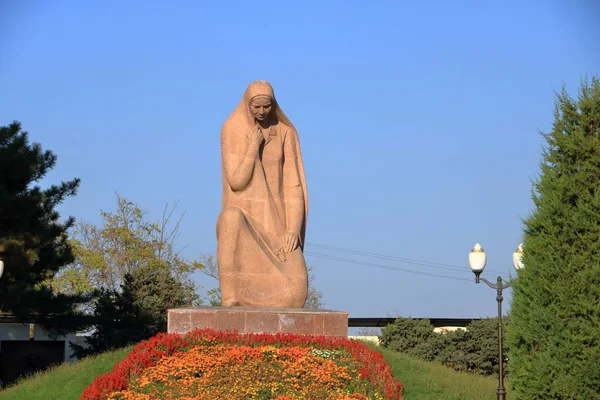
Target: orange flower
[
  {"x": 239, "y": 372},
  {"x": 207, "y": 365}
]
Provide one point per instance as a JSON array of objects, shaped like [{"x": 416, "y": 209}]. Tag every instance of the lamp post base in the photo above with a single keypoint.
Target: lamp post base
[{"x": 501, "y": 393}]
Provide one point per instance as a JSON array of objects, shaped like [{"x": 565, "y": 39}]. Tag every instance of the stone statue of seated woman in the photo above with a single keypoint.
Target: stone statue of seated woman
[{"x": 261, "y": 228}]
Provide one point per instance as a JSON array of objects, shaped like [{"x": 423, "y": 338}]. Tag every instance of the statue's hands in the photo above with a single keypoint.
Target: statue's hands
[
  {"x": 256, "y": 136},
  {"x": 290, "y": 241}
]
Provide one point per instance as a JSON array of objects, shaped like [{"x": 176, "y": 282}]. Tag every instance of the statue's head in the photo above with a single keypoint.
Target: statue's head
[
  {"x": 260, "y": 107},
  {"x": 257, "y": 104},
  {"x": 260, "y": 99}
]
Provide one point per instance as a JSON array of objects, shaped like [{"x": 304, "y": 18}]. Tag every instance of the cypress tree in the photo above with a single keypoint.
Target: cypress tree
[{"x": 554, "y": 336}]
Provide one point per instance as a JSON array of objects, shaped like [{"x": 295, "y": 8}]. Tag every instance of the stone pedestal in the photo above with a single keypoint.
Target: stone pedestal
[{"x": 259, "y": 320}]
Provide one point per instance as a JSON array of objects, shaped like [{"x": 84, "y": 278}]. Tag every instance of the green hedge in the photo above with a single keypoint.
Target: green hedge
[{"x": 475, "y": 350}]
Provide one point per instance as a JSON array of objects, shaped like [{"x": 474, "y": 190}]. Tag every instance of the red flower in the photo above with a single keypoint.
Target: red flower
[{"x": 372, "y": 366}]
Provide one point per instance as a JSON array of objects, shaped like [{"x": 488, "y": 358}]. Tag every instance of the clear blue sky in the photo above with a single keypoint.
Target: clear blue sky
[{"x": 419, "y": 121}]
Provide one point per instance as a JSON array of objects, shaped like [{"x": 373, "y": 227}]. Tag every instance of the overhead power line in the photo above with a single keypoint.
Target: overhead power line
[
  {"x": 429, "y": 264},
  {"x": 369, "y": 264}
]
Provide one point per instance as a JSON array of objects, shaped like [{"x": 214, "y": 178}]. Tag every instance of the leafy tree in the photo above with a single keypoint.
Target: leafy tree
[
  {"x": 554, "y": 336},
  {"x": 33, "y": 242},
  {"x": 314, "y": 297},
  {"x": 210, "y": 269},
  {"x": 127, "y": 243},
  {"x": 208, "y": 266}
]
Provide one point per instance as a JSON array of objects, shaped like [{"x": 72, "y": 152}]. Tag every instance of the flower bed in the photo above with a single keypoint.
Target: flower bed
[{"x": 207, "y": 364}]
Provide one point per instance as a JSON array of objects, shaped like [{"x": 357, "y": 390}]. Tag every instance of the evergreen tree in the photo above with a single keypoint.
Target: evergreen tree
[
  {"x": 155, "y": 290},
  {"x": 120, "y": 321},
  {"x": 554, "y": 336},
  {"x": 136, "y": 312},
  {"x": 33, "y": 242}
]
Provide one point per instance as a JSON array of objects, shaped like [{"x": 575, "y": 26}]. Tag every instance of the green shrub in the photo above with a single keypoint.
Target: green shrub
[
  {"x": 475, "y": 350},
  {"x": 479, "y": 346},
  {"x": 410, "y": 336}
]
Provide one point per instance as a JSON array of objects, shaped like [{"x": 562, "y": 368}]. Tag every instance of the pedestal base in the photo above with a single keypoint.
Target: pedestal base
[{"x": 259, "y": 320}]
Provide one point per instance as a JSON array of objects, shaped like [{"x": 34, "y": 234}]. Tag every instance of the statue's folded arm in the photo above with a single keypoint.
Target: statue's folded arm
[{"x": 238, "y": 165}]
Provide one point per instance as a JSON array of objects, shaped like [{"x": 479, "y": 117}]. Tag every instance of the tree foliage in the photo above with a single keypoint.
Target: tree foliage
[
  {"x": 132, "y": 271},
  {"x": 33, "y": 240},
  {"x": 127, "y": 243},
  {"x": 314, "y": 299},
  {"x": 555, "y": 333}
]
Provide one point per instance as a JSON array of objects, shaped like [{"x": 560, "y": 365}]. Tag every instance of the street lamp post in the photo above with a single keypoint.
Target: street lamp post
[{"x": 477, "y": 261}]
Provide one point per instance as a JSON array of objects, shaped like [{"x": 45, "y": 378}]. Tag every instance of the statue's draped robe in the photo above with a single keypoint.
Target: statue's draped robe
[{"x": 254, "y": 219}]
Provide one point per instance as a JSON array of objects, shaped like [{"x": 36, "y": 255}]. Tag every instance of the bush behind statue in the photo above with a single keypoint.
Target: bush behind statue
[{"x": 475, "y": 350}]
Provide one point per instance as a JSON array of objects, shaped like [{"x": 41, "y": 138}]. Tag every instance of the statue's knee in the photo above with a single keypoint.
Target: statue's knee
[{"x": 231, "y": 218}]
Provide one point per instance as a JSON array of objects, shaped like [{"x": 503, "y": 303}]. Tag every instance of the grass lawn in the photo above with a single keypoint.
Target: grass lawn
[
  {"x": 427, "y": 381},
  {"x": 66, "y": 381},
  {"x": 422, "y": 380}
]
